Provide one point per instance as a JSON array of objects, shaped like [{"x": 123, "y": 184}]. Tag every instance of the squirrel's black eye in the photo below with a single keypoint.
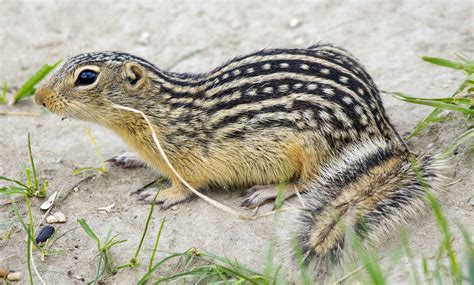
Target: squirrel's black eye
[{"x": 86, "y": 77}]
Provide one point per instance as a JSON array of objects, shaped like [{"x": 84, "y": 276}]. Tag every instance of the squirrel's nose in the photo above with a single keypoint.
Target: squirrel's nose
[{"x": 39, "y": 96}]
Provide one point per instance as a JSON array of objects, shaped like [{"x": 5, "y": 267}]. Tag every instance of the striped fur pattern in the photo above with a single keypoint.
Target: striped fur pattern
[
  {"x": 312, "y": 116},
  {"x": 370, "y": 188}
]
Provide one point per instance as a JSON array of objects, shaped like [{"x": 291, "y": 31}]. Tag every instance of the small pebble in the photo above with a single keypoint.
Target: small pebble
[
  {"x": 75, "y": 189},
  {"x": 61, "y": 217},
  {"x": 51, "y": 219},
  {"x": 144, "y": 38},
  {"x": 471, "y": 201},
  {"x": 57, "y": 217},
  {"x": 293, "y": 23},
  {"x": 174, "y": 208},
  {"x": 44, "y": 234},
  {"x": 14, "y": 276}
]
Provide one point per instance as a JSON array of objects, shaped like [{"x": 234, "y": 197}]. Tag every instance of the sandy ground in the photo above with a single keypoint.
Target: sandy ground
[{"x": 388, "y": 36}]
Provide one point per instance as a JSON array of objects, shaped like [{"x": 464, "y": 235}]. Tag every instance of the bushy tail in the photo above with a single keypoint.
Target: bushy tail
[{"x": 370, "y": 188}]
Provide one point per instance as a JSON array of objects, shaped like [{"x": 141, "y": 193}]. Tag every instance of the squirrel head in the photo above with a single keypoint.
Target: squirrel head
[{"x": 88, "y": 85}]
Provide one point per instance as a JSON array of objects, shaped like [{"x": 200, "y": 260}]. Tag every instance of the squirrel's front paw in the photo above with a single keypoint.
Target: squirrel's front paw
[
  {"x": 167, "y": 197},
  {"x": 126, "y": 160}
]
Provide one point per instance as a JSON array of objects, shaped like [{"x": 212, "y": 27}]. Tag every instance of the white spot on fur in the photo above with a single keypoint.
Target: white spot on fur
[
  {"x": 266, "y": 66},
  {"x": 284, "y": 65},
  {"x": 268, "y": 90},
  {"x": 250, "y": 70},
  {"x": 283, "y": 87},
  {"x": 236, "y": 72},
  {"x": 251, "y": 92},
  {"x": 328, "y": 91},
  {"x": 347, "y": 100},
  {"x": 312, "y": 86},
  {"x": 344, "y": 79},
  {"x": 297, "y": 85},
  {"x": 325, "y": 71},
  {"x": 304, "y": 66},
  {"x": 225, "y": 76}
]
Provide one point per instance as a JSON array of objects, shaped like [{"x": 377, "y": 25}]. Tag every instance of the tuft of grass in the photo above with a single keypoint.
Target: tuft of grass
[
  {"x": 215, "y": 269},
  {"x": 458, "y": 101},
  {"x": 32, "y": 186},
  {"x": 102, "y": 169},
  {"x": 3, "y": 98},
  {"x": 28, "y": 88},
  {"x": 105, "y": 262}
]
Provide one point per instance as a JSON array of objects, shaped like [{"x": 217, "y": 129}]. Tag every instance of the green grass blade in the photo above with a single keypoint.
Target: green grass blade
[
  {"x": 434, "y": 103},
  {"x": 3, "y": 98},
  {"x": 97, "y": 150},
  {"x": 147, "y": 276},
  {"x": 369, "y": 259},
  {"x": 457, "y": 141},
  {"x": 443, "y": 226},
  {"x": 89, "y": 231},
  {"x": 23, "y": 224},
  {"x": 443, "y": 62},
  {"x": 467, "y": 66},
  {"x": 133, "y": 261},
  {"x": 469, "y": 253},
  {"x": 152, "y": 258},
  {"x": 11, "y": 190},
  {"x": 15, "y": 181},
  {"x": 33, "y": 167},
  {"x": 28, "y": 88}
]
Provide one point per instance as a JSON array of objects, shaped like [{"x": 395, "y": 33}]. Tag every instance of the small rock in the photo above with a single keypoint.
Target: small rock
[
  {"x": 75, "y": 189},
  {"x": 49, "y": 202},
  {"x": 14, "y": 276},
  {"x": 293, "y": 23},
  {"x": 429, "y": 145},
  {"x": 174, "y": 208},
  {"x": 471, "y": 201},
  {"x": 51, "y": 219},
  {"x": 60, "y": 216},
  {"x": 144, "y": 38},
  {"x": 57, "y": 217}
]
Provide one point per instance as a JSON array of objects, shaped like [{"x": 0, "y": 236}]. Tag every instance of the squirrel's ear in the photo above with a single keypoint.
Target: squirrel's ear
[{"x": 134, "y": 75}]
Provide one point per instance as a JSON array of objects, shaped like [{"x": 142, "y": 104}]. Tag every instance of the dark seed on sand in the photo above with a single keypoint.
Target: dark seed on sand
[{"x": 44, "y": 234}]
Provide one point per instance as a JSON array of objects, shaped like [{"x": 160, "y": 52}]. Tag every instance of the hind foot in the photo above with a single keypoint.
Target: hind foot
[{"x": 259, "y": 194}]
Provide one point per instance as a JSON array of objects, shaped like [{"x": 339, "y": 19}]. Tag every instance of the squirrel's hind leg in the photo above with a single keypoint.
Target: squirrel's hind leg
[{"x": 259, "y": 194}]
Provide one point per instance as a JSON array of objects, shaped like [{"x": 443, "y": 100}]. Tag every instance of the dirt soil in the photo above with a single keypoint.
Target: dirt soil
[{"x": 387, "y": 36}]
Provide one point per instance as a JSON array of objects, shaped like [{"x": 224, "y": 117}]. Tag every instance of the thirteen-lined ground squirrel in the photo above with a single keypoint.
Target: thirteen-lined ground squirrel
[{"x": 311, "y": 117}]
